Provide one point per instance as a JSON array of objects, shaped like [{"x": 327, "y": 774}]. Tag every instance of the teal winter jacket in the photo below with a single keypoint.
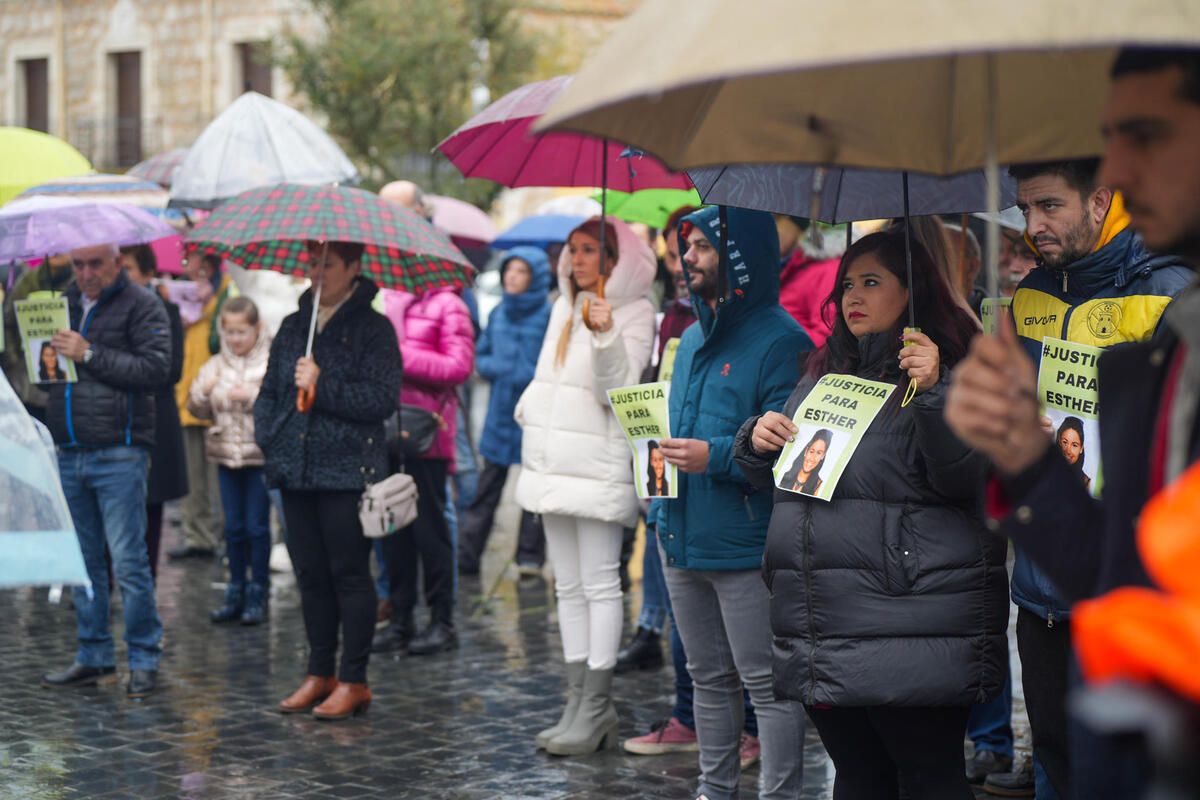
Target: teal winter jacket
[{"x": 737, "y": 362}]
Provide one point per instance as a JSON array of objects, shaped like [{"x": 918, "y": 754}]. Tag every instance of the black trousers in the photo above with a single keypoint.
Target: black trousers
[
  {"x": 877, "y": 749},
  {"x": 427, "y": 539},
  {"x": 331, "y": 559},
  {"x": 476, "y": 524},
  {"x": 1045, "y": 665}
]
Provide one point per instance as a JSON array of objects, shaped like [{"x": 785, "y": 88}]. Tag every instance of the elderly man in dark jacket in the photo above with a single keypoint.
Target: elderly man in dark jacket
[{"x": 104, "y": 428}]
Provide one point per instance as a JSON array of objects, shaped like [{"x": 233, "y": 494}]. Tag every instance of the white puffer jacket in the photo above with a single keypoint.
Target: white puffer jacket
[
  {"x": 574, "y": 458},
  {"x": 229, "y": 441}
]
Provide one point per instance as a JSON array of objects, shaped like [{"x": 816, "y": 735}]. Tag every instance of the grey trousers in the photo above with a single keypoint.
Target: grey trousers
[
  {"x": 724, "y": 621},
  {"x": 201, "y": 507}
]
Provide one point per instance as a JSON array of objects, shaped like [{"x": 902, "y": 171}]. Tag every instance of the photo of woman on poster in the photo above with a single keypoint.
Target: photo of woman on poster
[
  {"x": 1070, "y": 440},
  {"x": 805, "y": 474},
  {"x": 48, "y": 367},
  {"x": 656, "y": 471}
]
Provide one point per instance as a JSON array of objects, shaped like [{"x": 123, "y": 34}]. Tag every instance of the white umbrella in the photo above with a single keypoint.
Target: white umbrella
[{"x": 257, "y": 142}]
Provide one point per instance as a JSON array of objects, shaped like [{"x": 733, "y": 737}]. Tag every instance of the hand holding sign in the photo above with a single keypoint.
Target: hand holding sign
[
  {"x": 992, "y": 403},
  {"x": 772, "y": 432},
  {"x": 70, "y": 344},
  {"x": 919, "y": 358},
  {"x": 690, "y": 455}
]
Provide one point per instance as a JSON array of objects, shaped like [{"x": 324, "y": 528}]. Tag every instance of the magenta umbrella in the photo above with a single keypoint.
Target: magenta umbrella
[
  {"x": 497, "y": 144},
  {"x": 465, "y": 224}
]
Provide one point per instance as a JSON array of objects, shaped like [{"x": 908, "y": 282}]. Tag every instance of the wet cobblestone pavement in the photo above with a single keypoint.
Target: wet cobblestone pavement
[{"x": 456, "y": 725}]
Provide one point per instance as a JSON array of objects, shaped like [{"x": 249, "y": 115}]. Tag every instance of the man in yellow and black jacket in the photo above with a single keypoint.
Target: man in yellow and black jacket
[{"x": 1095, "y": 284}]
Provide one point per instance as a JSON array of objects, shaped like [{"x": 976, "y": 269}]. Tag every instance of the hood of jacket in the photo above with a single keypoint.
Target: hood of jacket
[
  {"x": 534, "y": 297},
  {"x": 752, "y": 273},
  {"x": 629, "y": 280},
  {"x": 258, "y": 353}
]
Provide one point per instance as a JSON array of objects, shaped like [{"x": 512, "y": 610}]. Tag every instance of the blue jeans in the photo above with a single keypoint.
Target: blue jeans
[
  {"x": 247, "y": 508},
  {"x": 989, "y": 726},
  {"x": 656, "y": 603},
  {"x": 106, "y": 491}
]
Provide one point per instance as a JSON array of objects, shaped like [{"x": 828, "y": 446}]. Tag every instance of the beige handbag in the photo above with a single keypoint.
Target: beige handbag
[{"x": 388, "y": 506}]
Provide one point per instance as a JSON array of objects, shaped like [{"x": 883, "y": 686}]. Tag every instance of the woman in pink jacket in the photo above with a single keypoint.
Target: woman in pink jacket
[{"x": 437, "y": 342}]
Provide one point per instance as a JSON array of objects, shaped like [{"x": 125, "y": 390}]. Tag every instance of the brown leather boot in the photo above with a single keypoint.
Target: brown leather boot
[
  {"x": 347, "y": 700},
  {"x": 314, "y": 689}
]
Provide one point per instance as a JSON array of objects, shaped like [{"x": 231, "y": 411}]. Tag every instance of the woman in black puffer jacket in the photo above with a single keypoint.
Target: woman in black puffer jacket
[
  {"x": 320, "y": 461},
  {"x": 889, "y": 604}
]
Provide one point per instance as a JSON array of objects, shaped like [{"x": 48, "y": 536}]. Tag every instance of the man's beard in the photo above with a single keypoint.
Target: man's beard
[
  {"x": 1074, "y": 244},
  {"x": 705, "y": 288}
]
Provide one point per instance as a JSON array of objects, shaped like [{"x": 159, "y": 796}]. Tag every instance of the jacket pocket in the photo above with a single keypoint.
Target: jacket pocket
[{"x": 900, "y": 560}]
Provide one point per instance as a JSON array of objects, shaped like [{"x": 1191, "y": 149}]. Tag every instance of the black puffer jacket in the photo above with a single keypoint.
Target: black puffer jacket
[
  {"x": 893, "y": 593},
  {"x": 359, "y": 387},
  {"x": 112, "y": 403}
]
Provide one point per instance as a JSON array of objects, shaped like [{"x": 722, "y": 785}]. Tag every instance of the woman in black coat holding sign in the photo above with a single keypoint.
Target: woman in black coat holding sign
[{"x": 888, "y": 603}]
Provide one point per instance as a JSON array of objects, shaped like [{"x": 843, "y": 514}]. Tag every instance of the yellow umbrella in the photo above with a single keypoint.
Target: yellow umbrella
[
  {"x": 877, "y": 83},
  {"x": 30, "y": 157}
]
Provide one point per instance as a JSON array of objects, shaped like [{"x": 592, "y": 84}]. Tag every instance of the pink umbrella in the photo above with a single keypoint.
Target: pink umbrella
[
  {"x": 465, "y": 224},
  {"x": 497, "y": 144}
]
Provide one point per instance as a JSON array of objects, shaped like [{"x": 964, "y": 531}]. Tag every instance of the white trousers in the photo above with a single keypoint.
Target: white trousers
[{"x": 585, "y": 555}]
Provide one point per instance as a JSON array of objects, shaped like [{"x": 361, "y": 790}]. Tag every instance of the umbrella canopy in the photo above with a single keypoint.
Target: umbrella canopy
[
  {"x": 884, "y": 85},
  {"x": 253, "y": 143},
  {"x": 572, "y": 205},
  {"x": 38, "y": 546},
  {"x": 466, "y": 225},
  {"x": 267, "y": 229},
  {"x": 160, "y": 167},
  {"x": 40, "y": 226},
  {"x": 538, "y": 231},
  {"x": 651, "y": 207},
  {"x": 103, "y": 188},
  {"x": 843, "y": 195},
  {"x": 497, "y": 144},
  {"x": 31, "y": 157}
]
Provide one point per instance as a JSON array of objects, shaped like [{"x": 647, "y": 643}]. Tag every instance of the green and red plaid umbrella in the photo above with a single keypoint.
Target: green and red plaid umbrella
[{"x": 267, "y": 228}]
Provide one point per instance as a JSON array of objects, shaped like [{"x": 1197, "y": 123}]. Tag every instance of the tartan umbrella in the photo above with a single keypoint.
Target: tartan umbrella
[{"x": 267, "y": 228}]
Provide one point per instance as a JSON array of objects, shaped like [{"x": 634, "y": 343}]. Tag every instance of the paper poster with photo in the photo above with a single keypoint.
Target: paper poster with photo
[
  {"x": 645, "y": 418},
  {"x": 990, "y": 310},
  {"x": 832, "y": 420},
  {"x": 1067, "y": 379},
  {"x": 666, "y": 365},
  {"x": 38, "y": 320}
]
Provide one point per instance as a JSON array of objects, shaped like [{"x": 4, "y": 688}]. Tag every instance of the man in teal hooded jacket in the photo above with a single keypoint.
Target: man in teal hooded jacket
[{"x": 741, "y": 359}]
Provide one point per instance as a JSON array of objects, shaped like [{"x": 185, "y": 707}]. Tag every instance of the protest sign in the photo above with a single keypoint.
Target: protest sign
[
  {"x": 1067, "y": 381},
  {"x": 38, "y": 320},
  {"x": 832, "y": 420},
  {"x": 644, "y": 416},
  {"x": 666, "y": 365},
  {"x": 990, "y": 310}
]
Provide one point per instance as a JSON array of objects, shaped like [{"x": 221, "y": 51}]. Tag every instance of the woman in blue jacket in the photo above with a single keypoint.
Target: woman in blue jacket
[{"x": 506, "y": 355}]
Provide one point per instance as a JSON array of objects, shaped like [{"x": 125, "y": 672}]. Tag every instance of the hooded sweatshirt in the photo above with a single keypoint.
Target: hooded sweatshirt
[
  {"x": 574, "y": 457},
  {"x": 1115, "y": 294},
  {"x": 507, "y": 354},
  {"x": 738, "y": 361}
]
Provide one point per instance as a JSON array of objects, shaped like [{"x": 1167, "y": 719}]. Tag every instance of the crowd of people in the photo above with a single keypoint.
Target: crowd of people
[{"x": 878, "y": 611}]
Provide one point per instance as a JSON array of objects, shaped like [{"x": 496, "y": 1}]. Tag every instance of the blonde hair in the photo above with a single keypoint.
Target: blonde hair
[{"x": 590, "y": 227}]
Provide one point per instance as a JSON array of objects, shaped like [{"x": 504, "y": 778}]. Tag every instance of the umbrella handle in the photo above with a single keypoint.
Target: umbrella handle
[
  {"x": 587, "y": 305},
  {"x": 305, "y": 398}
]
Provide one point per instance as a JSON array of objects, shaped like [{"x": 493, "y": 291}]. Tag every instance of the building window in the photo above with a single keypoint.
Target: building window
[
  {"x": 255, "y": 68},
  {"x": 35, "y": 88},
  {"x": 127, "y": 73}
]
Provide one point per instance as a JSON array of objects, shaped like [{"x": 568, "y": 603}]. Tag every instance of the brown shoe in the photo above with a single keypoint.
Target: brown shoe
[
  {"x": 383, "y": 612},
  {"x": 347, "y": 700},
  {"x": 314, "y": 689}
]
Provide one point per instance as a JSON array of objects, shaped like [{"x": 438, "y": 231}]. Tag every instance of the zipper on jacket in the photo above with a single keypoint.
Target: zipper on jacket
[
  {"x": 82, "y": 331},
  {"x": 1050, "y": 620}
]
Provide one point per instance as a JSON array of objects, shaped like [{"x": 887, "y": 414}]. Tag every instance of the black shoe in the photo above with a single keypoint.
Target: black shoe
[
  {"x": 78, "y": 675},
  {"x": 255, "y": 611},
  {"x": 644, "y": 652},
  {"x": 231, "y": 609},
  {"x": 467, "y": 564},
  {"x": 1011, "y": 784},
  {"x": 986, "y": 762},
  {"x": 187, "y": 551},
  {"x": 391, "y": 639},
  {"x": 142, "y": 683},
  {"x": 438, "y": 637}
]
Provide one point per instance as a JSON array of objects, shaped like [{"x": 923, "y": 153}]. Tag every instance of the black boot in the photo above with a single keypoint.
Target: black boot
[
  {"x": 255, "y": 611},
  {"x": 235, "y": 600},
  {"x": 438, "y": 637},
  {"x": 395, "y": 637},
  {"x": 644, "y": 652}
]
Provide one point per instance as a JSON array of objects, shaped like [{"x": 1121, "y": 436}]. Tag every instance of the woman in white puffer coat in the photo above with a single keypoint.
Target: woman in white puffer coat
[{"x": 576, "y": 469}]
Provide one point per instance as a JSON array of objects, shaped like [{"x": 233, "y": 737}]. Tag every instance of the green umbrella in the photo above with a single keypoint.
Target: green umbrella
[
  {"x": 649, "y": 206},
  {"x": 32, "y": 157}
]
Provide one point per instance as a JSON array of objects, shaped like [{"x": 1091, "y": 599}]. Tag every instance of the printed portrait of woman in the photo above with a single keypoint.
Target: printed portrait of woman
[
  {"x": 656, "y": 471},
  {"x": 805, "y": 474},
  {"x": 1070, "y": 440},
  {"x": 48, "y": 364}
]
